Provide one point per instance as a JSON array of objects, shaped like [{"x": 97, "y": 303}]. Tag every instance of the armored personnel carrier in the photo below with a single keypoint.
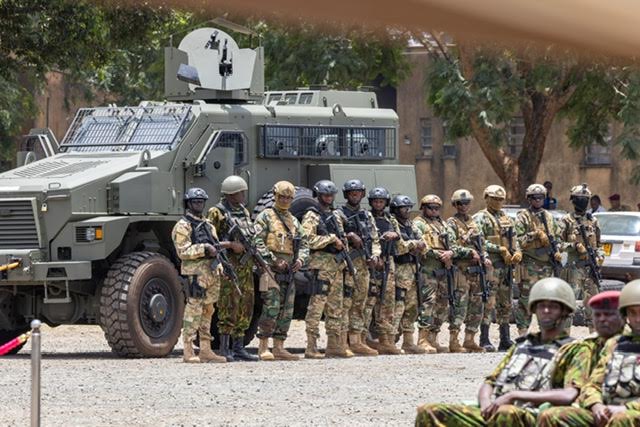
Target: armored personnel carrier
[{"x": 85, "y": 226}]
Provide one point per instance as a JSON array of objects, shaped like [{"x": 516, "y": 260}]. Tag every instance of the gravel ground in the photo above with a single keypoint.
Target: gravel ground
[{"x": 83, "y": 383}]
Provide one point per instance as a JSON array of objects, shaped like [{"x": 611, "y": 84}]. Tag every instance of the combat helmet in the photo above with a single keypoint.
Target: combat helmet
[
  {"x": 379, "y": 193},
  {"x": 324, "y": 186},
  {"x": 461, "y": 195},
  {"x": 195, "y": 193},
  {"x": 630, "y": 295},
  {"x": 535, "y": 189},
  {"x": 495, "y": 191},
  {"x": 581, "y": 190},
  {"x": 233, "y": 184},
  {"x": 401, "y": 201},
  {"x": 284, "y": 188},
  {"x": 552, "y": 289},
  {"x": 352, "y": 185},
  {"x": 430, "y": 199}
]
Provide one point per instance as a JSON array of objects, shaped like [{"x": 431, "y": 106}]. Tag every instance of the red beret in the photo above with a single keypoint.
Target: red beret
[
  {"x": 614, "y": 197},
  {"x": 605, "y": 300}
]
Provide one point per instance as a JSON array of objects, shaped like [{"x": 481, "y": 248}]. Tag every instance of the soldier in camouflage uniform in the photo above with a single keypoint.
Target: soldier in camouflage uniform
[
  {"x": 277, "y": 230},
  {"x": 504, "y": 253},
  {"x": 469, "y": 307},
  {"x": 234, "y": 311},
  {"x": 192, "y": 236},
  {"x": 441, "y": 249},
  {"x": 577, "y": 270},
  {"x": 365, "y": 253},
  {"x": 406, "y": 310},
  {"x": 537, "y": 263},
  {"x": 383, "y": 303},
  {"x": 323, "y": 227},
  {"x": 608, "y": 323},
  {"x": 538, "y": 368}
]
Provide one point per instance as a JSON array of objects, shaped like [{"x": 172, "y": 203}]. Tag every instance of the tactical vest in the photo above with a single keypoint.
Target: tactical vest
[
  {"x": 622, "y": 380},
  {"x": 433, "y": 234},
  {"x": 351, "y": 226},
  {"x": 572, "y": 235},
  {"x": 384, "y": 224},
  {"x": 530, "y": 366},
  {"x": 279, "y": 237},
  {"x": 325, "y": 228},
  {"x": 535, "y": 249},
  {"x": 406, "y": 233},
  {"x": 241, "y": 218},
  {"x": 200, "y": 233}
]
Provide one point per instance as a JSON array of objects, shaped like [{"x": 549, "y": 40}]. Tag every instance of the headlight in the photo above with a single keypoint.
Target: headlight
[{"x": 89, "y": 234}]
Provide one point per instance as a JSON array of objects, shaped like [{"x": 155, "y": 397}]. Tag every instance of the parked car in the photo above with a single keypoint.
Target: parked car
[
  {"x": 620, "y": 236},
  {"x": 512, "y": 211}
]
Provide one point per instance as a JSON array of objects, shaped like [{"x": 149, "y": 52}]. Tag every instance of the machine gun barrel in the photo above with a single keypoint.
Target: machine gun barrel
[
  {"x": 478, "y": 243},
  {"x": 553, "y": 246}
]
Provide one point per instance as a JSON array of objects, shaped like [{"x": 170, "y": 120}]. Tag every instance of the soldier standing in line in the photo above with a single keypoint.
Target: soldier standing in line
[
  {"x": 578, "y": 270},
  {"x": 469, "y": 306},
  {"x": 406, "y": 310},
  {"x": 281, "y": 241},
  {"x": 363, "y": 239},
  {"x": 234, "y": 311},
  {"x": 437, "y": 265},
  {"x": 540, "y": 258},
  {"x": 193, "y": 239},
  {"x": 383, "y": 300},
  {"x": 504, "y": 253},
  {"x": 323, "y": 228}
]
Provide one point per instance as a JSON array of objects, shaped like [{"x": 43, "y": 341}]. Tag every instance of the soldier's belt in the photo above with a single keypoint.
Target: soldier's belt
[
  {"x": 403, "y": 259},
  {"x": 357, "y": 253}
]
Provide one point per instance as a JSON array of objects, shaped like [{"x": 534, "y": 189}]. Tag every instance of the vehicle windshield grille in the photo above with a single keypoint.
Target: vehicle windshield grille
[
  {"x": 18, "y": 228},
  {"x": 619, "y": 225},
  {"x": 153, "y": 127}
]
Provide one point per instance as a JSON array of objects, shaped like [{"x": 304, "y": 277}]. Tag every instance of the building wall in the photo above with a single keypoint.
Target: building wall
[{"x": 442, "y": 174}]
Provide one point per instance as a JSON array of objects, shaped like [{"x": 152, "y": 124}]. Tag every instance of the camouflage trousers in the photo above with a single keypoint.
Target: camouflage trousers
[
  {"x": 354, "y": 306},
  {"x": 329, "y": 303},
  {"x": 530, "y": 273},
  {"x": 406, "y": 309},
  {"x": 469, "y": 306},
  {"x": 569, "y": 416},
  {"x": 581, "y": 282},
  {"x": 235, "y": 311},
  {"x": 442, "y": 415},
  {"x": 436, "y": 310},
  {"x": 383, "y": 311},
  {"x": 277, "y": 311},
  {"x": 198, "y": 311},
  {"x": 500, "y": 296}
]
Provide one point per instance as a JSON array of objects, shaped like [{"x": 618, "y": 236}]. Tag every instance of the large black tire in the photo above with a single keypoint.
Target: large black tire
[
  {"x": 141, "y": 305},
  {"x": 302, "y": 201}
]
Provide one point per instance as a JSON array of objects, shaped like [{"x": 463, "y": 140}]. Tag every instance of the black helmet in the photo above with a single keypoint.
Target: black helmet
[
  {"x": 379, "y": 193},
  {"x": 324, "y": 187},
  {"x": 401, "y": 201},
  {"x": 352, "y": 185},
  {"x": 195, "y": 193}
]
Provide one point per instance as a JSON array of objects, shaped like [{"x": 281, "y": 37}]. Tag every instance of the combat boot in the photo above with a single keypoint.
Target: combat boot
[
  {"x": 369, "y": 342},
  {"x": 345, "y": 344},
  {"x": 469, "y": 343},
  {"x": 312, "y": 351},
  {"x": 387, "y": 346},
  {"x": 207, "y": 355},
  {"x": 454, "y": 344},
  {"x": 188, "y": 355},
  {"x": 224, "y": 349},
  {"x": 263, "y": 350},
  {"x": 505, "y": 339},
  {"x": 409, "y": 346},
  {"x": 432, "y": 339},
  {"x": 240, "y": 353},
  {"x": 358, "y": 347},
  {"x": 280, "y": 353},
  {"x": 423, "y": 342},
  {"x": 334, "y": 347},
  {"x": 484, "y": 339}
]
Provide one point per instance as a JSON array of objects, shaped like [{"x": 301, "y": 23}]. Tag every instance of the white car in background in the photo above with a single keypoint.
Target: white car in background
[{"x": 620, "y": 236}]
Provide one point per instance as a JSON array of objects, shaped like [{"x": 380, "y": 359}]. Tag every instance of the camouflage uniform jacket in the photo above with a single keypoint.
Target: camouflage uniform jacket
[
  {"x": 350, "y": 226},
  {"x": 463, "y": 229},
  {"x": 193, "y": 255},
  {"x": 567, "y": 368},
  {"x": 321, "y": 236},
  {"x": 494, "y": 226},
  {"x": 401, "y": 246},
  {"x": 571, "y": 235},
  {"x": 432, "y": 230},
  {"x": 410, "y": 237},
  {"x": 242, "y": 217},
  {"x": 616, "y": 374},
  {"x": 274, "y": 240},
  {"x": 527, "y": 225}
]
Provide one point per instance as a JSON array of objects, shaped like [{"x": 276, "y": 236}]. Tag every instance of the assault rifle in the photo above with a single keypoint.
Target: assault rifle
[
  {"x": 344, "y": 253},
  {"x": 478, "y": 244},
  {"x": 367, "y": 240},
  {"x": 591, "y": 255},
  {"x": 296, "y": 253},
  {"x": 221, "y": 258},
  {"x": 387, "y": 249},
  {"x": 420, "y": 285},
  {"x": 451, "y": 284},
  {"x": 553, "y": 245},
  {"x": 509, "y": 235}
]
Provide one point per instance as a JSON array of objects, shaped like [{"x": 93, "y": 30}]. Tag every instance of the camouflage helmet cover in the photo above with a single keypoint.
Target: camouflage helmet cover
[
  {"x": 284, "y": 188},
  {"x": 430, "y": 199},
  {"x": 461, "y": 195},
  {"x": 324, "y": 186},
  {"x": 495, "y": 191},
  {"x": 552, "y": 289},
  {"x": 401, "y": 201},
  {"x": 195, "y": 193},
  {"x": 629, "y": 296},
  {"x": 535, "y": 189},
  {"x": 581, "y": 190},
  {"x": 233, "y": 184}
]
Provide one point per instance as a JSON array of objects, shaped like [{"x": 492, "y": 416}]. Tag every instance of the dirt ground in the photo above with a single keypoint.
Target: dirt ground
[{"x": 83, "y": 383}]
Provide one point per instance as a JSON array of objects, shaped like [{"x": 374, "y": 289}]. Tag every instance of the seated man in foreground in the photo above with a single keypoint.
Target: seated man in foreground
[{"x": 534, "y": 371}]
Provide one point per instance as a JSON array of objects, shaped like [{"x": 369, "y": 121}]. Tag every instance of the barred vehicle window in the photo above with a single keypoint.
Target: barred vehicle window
[{"x": 237, "y": 141}]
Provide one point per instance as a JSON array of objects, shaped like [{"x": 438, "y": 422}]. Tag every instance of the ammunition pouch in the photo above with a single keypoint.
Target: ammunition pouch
[
  {"x": 474, "y": 269},
  {"x": 403, "y": 259},
  {"x": 281, "y": 277},
  {"x": 347, "y": 291},
  {"x": 374, "y": 290},
  {"x": 401, "y": 294},
  {"x": 330, "y": 249},
  {"x": 195, "y": 290},
  {"x": 357, "y": 253},
  {"x": 317, "y": 286}
]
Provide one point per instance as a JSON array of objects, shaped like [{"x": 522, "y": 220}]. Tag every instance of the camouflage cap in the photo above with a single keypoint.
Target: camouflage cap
[
  {"x": 580, "y": 191},
  {"x": 284, "y": 188},
  {"x": 552, "y": 289},
  {"x": 430, "y": 199},
  {"x": 629, "y": 296},
  {"x": 233, "y": 184},
  {"x": 461, "y": 195},
  {"x": 535, "y": 189},
  {"x": 607, "y": 300},
  {"x": 495, "y": 191},
  {"x": 195, "y": 193}
]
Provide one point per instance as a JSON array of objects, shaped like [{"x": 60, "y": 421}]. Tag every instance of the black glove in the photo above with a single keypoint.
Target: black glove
[{"x": 195, "y": 290}]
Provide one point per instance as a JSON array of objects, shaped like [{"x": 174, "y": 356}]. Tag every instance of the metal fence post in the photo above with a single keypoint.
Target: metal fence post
[{"x": 35, "y": 373}]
